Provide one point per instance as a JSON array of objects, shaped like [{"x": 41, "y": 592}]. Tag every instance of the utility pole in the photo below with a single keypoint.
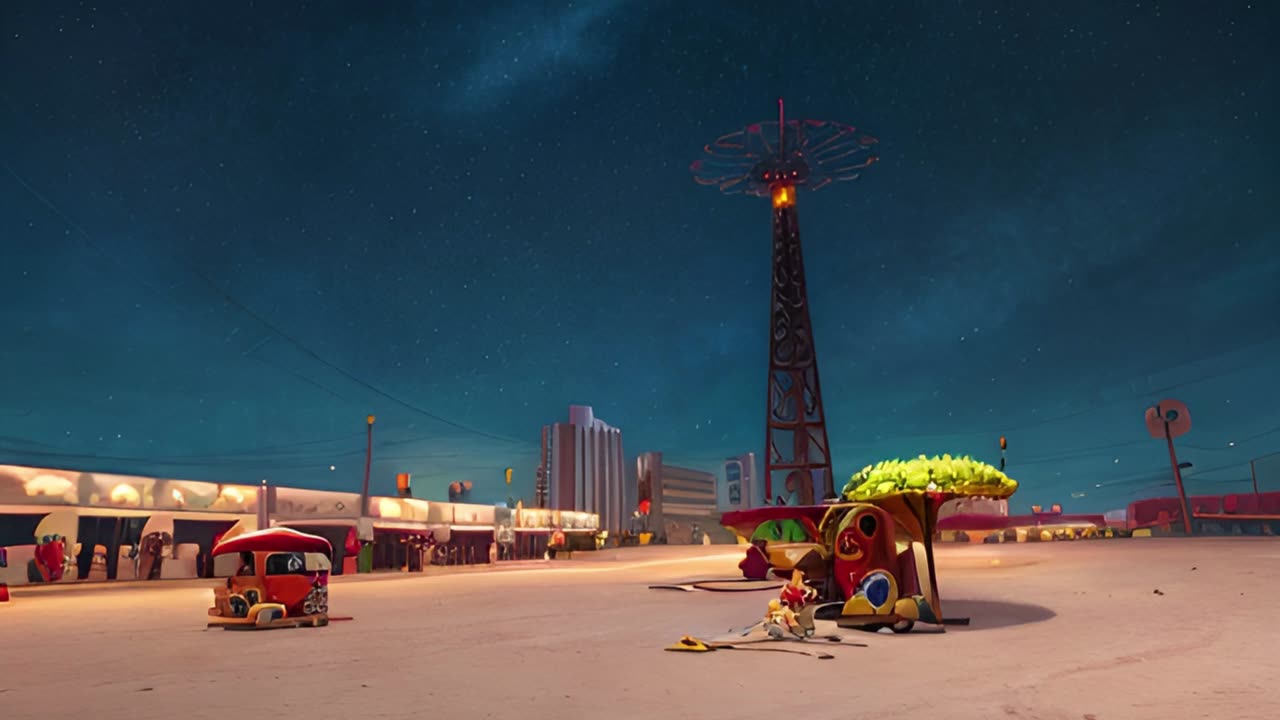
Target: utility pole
[
  {"x": 368, "y": 462},
  {"x": 1177, "y": 479},
  {"x": 264, "y": 508},
  {"x": 1167, "y": 420}
]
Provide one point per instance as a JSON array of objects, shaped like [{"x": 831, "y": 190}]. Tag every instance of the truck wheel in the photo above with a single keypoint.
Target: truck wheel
[{"x": 239, "y": 606}]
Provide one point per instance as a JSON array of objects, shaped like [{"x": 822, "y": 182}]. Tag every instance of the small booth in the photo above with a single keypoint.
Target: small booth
[
  {"x": 533, "y": 532},
  {"x": 581, "y": 530},
  {"x": 402, "y": 533},
  {"x": 504, "y": 533},
  {"x": 471, "y": 534}
]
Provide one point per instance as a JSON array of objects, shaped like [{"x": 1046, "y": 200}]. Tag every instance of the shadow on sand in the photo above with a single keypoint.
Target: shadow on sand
[{"x": 989, "y": 614}]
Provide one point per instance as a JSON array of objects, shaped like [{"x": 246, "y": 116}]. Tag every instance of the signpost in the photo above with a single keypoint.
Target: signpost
[{"x": 1169, "y": 419}]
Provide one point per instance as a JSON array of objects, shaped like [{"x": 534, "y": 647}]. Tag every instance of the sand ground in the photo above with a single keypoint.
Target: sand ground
[{"x": 1059, "y": 630}]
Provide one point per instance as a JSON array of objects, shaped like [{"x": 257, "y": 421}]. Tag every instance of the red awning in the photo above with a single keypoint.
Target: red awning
[{"x": 276, "y": 539}]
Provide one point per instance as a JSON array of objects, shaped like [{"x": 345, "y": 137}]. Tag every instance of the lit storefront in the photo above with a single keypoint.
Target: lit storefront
[{"x": 65, "y": 525}]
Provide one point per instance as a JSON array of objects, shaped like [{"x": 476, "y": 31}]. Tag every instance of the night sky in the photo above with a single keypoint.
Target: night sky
[{"x": 231, "y": 230}]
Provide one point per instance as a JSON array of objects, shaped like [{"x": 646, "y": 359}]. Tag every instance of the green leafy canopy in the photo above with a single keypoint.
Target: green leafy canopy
[{"x": 961, "y": 476}]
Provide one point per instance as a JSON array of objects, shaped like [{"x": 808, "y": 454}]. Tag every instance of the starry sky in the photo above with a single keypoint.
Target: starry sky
[{"x": 232, "y": 230}]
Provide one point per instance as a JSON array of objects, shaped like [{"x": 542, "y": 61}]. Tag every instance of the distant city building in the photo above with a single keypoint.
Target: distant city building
[
  {"x": 740, "y": 483},
  {"x": 682, "y": 501},
  {"x": 582, "y": 467}
]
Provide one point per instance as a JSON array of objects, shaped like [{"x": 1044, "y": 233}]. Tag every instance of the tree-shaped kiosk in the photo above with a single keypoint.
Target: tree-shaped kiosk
[{"x": 871, "y": 551}]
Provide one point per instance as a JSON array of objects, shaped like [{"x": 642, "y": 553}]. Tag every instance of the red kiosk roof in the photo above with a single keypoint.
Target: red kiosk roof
[
  {"x": 277, "y": 539},
  {"x": 746, "y": 521}
]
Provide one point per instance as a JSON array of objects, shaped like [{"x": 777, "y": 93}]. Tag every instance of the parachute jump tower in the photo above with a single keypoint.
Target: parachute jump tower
[{"x": 775, "y": 160}]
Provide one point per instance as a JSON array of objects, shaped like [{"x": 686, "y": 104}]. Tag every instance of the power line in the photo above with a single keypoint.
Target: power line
[
  {"x": 229, "y": 299},
  {"x": 1144, "y": 395},
  {"x": 234, "y": 302},
  {"x": 245, "y": 463},
  {"x": 267, "y": 453},
  {"x": 263, "y": 450},
  {"x": 24, "y": 441},
  {"x": 1151, "y": 475},
  {"x": 206, "y": 463},
  {"x": 1070, "y": 455},
  {"x": 261, "y": 454},
  {"x": 1235, "y": 443},
  {"x": 84, "y": 235},
  {"x": 125, "y": 270},
  {"x": 295, "y": 373}
]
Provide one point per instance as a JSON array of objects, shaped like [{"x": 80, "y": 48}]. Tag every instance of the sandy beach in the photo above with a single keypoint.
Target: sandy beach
[{"x": 1107, "y": 630}]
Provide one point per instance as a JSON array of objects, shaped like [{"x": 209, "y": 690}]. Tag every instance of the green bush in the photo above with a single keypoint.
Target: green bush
[{"x": 962, "y": 476}]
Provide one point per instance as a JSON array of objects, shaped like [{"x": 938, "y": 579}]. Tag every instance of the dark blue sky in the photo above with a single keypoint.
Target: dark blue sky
[{"x": 223, "y": 222}]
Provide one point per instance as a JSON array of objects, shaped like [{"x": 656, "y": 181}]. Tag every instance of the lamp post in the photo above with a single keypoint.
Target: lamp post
[{"x": 368, "y": 461}]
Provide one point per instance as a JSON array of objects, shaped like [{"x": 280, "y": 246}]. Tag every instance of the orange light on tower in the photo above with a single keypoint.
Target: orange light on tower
[
  {"x": 784, "y": 196},
  {"x": 403, "y": 488}
]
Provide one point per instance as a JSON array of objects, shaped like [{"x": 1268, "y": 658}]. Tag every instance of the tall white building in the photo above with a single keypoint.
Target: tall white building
[
  {"x": 739, "y": 490},
  {"x": 582, "y": 463}
]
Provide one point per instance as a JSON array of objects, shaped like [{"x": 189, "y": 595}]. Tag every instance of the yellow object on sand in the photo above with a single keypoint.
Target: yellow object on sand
[{"x": 688, "y": 643}]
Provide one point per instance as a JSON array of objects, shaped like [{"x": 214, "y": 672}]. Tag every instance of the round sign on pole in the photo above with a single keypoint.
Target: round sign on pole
[
  {"x": 1168, "y": 419},
  {"x": 1171, "y": 413}
]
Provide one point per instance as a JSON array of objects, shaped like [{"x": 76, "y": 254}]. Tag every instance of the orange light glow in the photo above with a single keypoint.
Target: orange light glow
[
  {"x": 784, "y": 196},
  {"x": 388, "y": 508},
  {"x": 124, "y": 494},
  {"x": 50, "y": 485}
]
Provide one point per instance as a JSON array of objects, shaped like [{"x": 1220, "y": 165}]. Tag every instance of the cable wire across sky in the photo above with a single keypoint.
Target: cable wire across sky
[{"x": 261, "y": 320}]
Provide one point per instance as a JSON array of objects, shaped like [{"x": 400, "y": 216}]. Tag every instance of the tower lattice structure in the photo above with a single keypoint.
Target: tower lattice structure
[{"x": 776, "y": 160}]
